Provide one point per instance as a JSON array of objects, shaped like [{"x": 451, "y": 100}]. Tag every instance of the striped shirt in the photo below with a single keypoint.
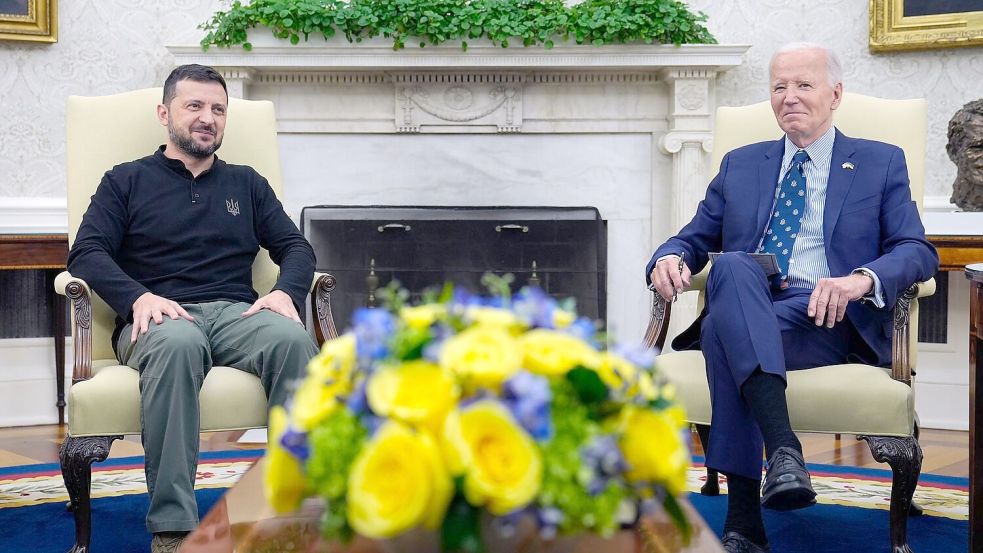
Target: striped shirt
[{"x": 808, "y": 261}]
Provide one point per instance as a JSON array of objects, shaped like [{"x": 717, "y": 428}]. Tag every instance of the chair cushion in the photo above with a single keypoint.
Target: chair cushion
[
  {"x": 836, "y": 399},
  {"x": 109, "y": 402}
]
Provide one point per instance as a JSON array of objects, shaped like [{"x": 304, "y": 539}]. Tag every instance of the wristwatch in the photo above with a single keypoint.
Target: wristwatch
[{"x": 869, "y": 296}]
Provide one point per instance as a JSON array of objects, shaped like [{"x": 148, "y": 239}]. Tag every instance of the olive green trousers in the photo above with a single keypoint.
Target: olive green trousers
[{"x": 173, "y": 358}]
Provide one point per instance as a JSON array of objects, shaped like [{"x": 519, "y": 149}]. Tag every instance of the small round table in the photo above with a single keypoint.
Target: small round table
[{"x": 974, "y": 273}]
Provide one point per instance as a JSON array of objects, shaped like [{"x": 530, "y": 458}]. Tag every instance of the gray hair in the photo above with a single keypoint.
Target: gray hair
[{"x": 834, "y": 71}]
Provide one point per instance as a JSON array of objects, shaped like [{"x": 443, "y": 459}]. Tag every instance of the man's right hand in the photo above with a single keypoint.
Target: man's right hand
[
  {"x": 148, "y": 306},
  {"x": 668, "y": 279}
]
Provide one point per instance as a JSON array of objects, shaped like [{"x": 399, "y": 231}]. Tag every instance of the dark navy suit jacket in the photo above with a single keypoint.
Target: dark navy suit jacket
[{"x": 869, "y": 221}]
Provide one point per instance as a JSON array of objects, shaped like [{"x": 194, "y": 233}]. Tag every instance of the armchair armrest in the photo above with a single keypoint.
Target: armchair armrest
[
  {"x": 78, "y": 291},
  {"x": 321, "y": 288},
  {"x": 925, "y": 289},
  {"x": 655, "y": 333},
  {"x": 901, "y": 359}
]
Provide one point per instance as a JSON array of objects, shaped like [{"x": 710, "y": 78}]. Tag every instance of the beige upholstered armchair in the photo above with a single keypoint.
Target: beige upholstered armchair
[
  {"x": 872, "y": 403},
  {"x": 104, "y": 399}
]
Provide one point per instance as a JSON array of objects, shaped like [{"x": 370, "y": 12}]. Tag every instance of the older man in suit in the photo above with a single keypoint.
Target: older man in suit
[{"x": 838, "y": 215}]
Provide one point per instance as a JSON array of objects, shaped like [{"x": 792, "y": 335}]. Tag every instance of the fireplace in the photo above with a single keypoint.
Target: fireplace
[
  {"x": 563, "y": 250},
  {"x": 623, "y": 128}
]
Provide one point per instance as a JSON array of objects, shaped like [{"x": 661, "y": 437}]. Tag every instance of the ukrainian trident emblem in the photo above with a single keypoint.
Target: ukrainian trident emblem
[{"x": 232, "y": 206}]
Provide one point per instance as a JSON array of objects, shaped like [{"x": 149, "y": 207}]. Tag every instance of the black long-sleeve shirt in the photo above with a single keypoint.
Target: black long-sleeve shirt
[{"x": 152, "y": 226}]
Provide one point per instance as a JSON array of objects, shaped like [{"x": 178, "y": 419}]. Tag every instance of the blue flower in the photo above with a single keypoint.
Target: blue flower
[
  {"x": 534, "y": 307},
  {"x": 439, "y": 334},
  {"x": 586, "y": 330},
  {"x": 604, "y": 459},
  {"x": 549, "y": 519},
  {"x": 527, "y": 397},
  {"x": 357, "y": 402},
  {"x": 637, "y": 354},
  {"x": 372, "y": 328},
  {"x": 296, "y": 443}
]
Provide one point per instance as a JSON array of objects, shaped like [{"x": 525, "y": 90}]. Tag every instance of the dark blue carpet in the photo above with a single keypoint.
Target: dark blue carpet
[
  {"x": 839, "y": 529},
  {"x": 118, "y": 522}
]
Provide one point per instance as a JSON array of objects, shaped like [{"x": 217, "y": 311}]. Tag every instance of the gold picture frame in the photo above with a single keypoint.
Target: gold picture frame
[
  {"x": 29, "y": 20},
  {"x": 892, "y": 29}
]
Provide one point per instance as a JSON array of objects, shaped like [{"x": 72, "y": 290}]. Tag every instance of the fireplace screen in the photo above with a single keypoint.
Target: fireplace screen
[{"x": 562, "y": 249}]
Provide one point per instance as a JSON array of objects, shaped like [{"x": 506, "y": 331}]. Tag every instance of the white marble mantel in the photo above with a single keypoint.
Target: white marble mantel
[
  {"x": 625, "y": 128},
  {"x": 525, "y": 84}
]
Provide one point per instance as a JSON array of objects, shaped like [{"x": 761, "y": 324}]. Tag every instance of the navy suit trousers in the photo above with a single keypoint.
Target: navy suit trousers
[{"x": 750, "y": 324}]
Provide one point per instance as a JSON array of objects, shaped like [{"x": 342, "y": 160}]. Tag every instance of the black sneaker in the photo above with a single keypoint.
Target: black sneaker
[
  {"x": 788, "y": 485},
  {"x": 167, "y": 542},
  {"x": 736, "y": 543}
]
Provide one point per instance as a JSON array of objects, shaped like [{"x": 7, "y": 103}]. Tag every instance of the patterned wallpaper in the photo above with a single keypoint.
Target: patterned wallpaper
[
  {"x": 108, "y": 46},
  {"x": 104, "y": 47},
  {"x": 948, "y": 78}
]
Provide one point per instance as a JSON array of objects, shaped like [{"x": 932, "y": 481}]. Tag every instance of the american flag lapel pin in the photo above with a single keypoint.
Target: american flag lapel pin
[{"x": 848, "y": 165}]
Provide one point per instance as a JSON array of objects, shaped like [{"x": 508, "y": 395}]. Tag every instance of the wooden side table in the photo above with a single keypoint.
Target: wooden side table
[
  {"x": 956, "y": 251},
  {"x": 45, "y": 252},
  {"x": 974, "y": 273}
]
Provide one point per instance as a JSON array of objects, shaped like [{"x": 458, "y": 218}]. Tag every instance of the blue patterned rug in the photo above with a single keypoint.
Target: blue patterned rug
[{"x": 851, "y": 515}]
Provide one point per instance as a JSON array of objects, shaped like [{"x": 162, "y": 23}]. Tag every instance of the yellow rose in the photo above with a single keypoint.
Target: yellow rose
[
  {"x": 422, "y": 316},
  {"x": 552, "y": 353},
  {"x": 653, "y": 447},
  {"x": 397, "y": 482},
  {"x": 416, "y": 392},
  {"x": 481, "y": 356},
  {"x": 336, "y": 358},
  {"x": 563, "y": 318},
  {"x": 283, "y": 478},
  {"x": 616, "y": 371},
  {"x": 491, "y": 316},
  {"x": 313, "y": 401},
  {"x": 329, "y": 377},
  {"x": 502, "y": 467}
]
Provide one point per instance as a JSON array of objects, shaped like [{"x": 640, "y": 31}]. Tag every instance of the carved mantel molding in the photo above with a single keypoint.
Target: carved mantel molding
[{"x": 336, "y": 87}]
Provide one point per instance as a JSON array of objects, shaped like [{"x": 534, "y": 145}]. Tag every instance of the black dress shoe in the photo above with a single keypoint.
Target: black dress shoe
[
  {"x": 736, "y": 543},
  {"x": 788, "y": 485}
]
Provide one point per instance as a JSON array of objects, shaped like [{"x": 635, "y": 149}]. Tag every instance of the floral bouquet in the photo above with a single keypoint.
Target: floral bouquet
[{"x": 438, "y": 415}]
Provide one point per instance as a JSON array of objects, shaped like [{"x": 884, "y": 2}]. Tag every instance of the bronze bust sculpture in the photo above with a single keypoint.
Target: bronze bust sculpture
[{"x": 965, "y": 149}]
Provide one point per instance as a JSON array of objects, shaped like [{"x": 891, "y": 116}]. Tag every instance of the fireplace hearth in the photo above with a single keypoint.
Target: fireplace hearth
[{"x": 561, "y": 249}]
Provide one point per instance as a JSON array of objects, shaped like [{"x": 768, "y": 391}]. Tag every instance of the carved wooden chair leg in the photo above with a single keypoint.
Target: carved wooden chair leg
[
  {"x": 712, "y": 486},
  {"x": 76, "y": 456},
  {"x": 904, "y": 455}
]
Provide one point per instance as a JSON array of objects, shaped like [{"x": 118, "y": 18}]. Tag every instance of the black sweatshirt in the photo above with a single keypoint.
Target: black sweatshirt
[{"x": 152, "y": 226}]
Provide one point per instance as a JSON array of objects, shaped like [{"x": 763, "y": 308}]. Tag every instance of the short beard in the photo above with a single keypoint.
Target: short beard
[{"x": 188, "y": 145}]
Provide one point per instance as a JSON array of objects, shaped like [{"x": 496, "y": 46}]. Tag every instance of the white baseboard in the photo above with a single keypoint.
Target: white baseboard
[
  {"x": 938, "y": 203},
  {"x": 942, "y": 406},
  {"x": 30, "y": 215},
  {"x": 27, "y": 378}
]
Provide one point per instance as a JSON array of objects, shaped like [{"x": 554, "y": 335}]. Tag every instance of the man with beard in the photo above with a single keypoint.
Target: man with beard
[{"x": 168, "y": 242}]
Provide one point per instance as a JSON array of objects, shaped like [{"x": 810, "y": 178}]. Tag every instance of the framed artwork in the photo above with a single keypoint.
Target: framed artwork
[
  {"x": 29, "y": 20},
  {"x": 923, "y": 24}
]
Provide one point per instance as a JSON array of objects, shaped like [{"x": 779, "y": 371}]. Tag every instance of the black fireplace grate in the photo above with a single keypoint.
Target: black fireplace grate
[{"x": 561, "y": 249}]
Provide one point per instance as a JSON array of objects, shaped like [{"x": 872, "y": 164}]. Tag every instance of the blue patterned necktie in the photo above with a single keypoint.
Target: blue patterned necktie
[{"x": 787, "y": 216}]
